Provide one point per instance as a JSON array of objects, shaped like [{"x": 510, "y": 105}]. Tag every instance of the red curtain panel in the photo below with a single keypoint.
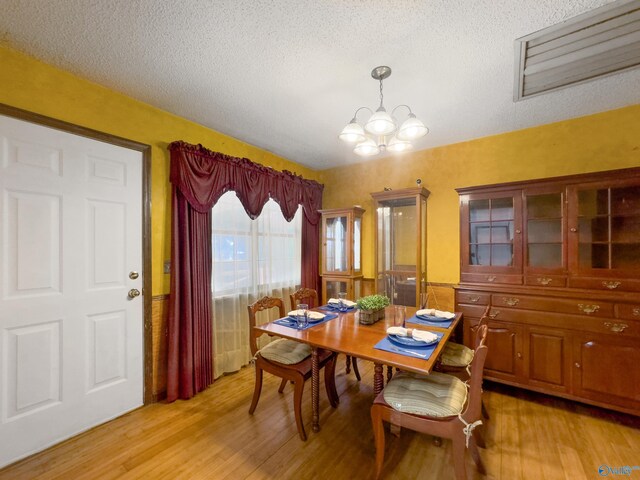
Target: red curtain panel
[{"x": 199, "y": 178}]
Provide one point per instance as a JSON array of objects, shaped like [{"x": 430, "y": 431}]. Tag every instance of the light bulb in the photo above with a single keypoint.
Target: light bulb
[
  {"x": 352, "y": 133},
  {"x": 367, "y": 148},
  {"x": 380, "y": 123},
  {"x": 412, "y": 128},
  {"x": 396, "y": 145}
]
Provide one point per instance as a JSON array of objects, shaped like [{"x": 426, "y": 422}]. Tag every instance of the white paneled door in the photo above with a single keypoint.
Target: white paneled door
[{"x": 71, "y": 337}]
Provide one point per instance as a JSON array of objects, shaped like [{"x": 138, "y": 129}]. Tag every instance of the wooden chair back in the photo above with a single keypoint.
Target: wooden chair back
[
  {"x": 309, "y": 295},
  {"x": 474, "y": 403},
  {"x": 264, "y": 303}
]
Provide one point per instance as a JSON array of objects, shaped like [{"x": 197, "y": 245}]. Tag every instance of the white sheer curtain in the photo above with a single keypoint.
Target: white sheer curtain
[{"x": 251, "y": 258}]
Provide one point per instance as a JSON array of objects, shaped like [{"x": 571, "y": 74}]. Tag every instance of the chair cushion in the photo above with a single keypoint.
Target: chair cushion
[
  {"x": 456, "y": 355},
  {"x": 433, "y": 395},
  {"x": 285, "y": 351}
]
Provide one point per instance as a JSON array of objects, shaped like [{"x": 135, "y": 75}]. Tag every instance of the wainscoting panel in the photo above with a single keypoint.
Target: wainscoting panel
[{"x": 159, "y": 312}]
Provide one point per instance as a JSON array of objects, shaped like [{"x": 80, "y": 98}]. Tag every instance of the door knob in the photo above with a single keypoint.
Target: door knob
[
  {"x": 133, "y": 275},
  {"x": 133, "y": 293}
]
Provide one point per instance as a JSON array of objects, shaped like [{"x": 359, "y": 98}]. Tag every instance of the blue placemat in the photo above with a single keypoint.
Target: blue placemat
[
  {"x": 425, "y": 352},
  {"x": 291, "y": 322},
  {"x": 430, "y": 321},
  {"x": 330, "y": 308}
]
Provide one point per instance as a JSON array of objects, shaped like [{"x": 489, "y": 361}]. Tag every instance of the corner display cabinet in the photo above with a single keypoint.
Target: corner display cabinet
[
  {"x": 341, "y": 252},
  {"x": 401, "y": 245},
  {"x": 558, "y": 261}
]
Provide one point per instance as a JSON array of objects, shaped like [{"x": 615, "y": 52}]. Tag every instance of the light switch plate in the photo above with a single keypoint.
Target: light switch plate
[{"x": 167, "y": 266}]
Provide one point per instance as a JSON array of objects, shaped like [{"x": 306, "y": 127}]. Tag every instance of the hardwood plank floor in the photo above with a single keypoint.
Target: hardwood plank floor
[{"x": 213, "y": 437}]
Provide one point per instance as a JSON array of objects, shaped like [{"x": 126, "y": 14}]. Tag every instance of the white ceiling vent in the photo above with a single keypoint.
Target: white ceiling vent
[{"x": 597, "y": 43}]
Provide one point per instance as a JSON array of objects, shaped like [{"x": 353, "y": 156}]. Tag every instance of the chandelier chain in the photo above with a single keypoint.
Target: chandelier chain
[{"x": 381, "y": 95}]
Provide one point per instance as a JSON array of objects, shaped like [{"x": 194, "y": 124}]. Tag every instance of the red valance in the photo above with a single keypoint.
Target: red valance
[{"x": 203, "y": 176}]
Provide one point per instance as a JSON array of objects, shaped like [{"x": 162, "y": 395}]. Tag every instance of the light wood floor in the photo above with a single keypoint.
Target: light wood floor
[{"x": 212, "y": 436}]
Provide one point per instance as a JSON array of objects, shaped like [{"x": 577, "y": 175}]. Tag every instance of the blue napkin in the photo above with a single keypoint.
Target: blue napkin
[
  {"x": 291, "y": 322},
  {"x": 430, "y": 321},
  {"x": 331, "y": 308},
  {"x": 424, "y": 352}
]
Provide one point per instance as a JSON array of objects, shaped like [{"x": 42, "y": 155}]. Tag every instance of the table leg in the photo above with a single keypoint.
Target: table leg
[
  {"x": 389, "y": 373},
  {"x": 315, "y": 389},
  {"x": 378, "y": 379}
]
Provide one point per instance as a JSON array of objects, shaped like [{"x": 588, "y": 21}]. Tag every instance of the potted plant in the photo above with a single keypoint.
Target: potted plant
[{"x": 371, "y": 308}]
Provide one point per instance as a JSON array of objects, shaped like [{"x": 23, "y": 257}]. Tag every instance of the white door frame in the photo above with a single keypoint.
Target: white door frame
[{"x": 36, "y": 118}]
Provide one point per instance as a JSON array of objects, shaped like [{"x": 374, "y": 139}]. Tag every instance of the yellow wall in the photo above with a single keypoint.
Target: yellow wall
[
  {"x": 604, "y": 141},
  {"x": 598, "y": 142},
  {"x": 31, "y": 85}
]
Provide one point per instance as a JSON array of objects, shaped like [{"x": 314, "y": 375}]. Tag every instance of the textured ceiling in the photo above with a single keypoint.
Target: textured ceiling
[{"x": 287, "y": 75}]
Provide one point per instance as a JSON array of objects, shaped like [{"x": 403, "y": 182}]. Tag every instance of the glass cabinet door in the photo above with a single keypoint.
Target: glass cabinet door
[
  {"x": 342, "y": 241},
  {"x": 605, "y": 228},
  {"x": 335, "y": 243},
  {"x": 544, "y": 232},
  {"x": 357, "y": 243},
  {"x": 491, "y": 231}
]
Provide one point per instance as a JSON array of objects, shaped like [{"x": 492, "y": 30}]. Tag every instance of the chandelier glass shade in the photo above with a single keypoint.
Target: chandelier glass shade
[{"x": 380, "y": 131}]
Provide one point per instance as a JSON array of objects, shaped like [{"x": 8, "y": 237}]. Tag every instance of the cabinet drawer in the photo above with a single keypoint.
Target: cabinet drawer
[
  {"x": 610, "y": 326},
  {"x": 473, "y": 298},
  {"x": 545, "y": 280},
  {"x": 607, "y": 284},
  {"x": 628, "y": 311},
  {"x": 491, "y": 278},
  {"x": 473, "y": 311},
  {"x": 577, "y": 306}
]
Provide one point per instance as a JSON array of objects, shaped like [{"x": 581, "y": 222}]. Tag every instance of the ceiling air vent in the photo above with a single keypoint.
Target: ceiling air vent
[{"x": 597, "y": 43}]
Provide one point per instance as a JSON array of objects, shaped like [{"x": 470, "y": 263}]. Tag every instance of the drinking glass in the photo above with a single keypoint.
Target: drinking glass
[
  {"x": 399, "y": 317},
  {"x": 301, "y": 317},
  {"x": 342, "y": 306}
]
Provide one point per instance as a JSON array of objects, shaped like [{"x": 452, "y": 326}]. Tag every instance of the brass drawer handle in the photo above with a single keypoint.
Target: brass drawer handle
[
  {"x": 611, "y": 285},
  {"x": 494, "y": 314},
  {"x": 616, "y": 327},
  {"x": 474, "y": 299},
  {"x": 588, "y": 309},
  {"x": 491, "y": 278},
  {"x": 636, "y": 312},
  {"x": 512, "y": 302},
  {"x": 519, "y": 355},
  {"x": 544, "y": 281}
]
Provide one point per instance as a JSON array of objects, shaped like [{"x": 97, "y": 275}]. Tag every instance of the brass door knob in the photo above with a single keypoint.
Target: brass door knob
[{"x": 133, "y": 293}]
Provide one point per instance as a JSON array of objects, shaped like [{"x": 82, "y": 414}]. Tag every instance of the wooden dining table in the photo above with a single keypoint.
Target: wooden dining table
[{"x": 347, "y": 335}]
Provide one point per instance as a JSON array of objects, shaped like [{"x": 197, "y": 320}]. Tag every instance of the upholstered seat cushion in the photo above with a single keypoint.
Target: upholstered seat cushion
[
  {"x": 434, "y": 395},
  {"x": 285, "y": 351},
  {"x": 456, "y": 355}
]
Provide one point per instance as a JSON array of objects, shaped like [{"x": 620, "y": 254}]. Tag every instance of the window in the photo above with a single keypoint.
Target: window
[{"x": 253, "y": 255}]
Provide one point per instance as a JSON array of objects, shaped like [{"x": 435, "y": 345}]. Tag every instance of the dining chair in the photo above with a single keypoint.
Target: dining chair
[
  {"x": 436, "y": 404},
  {"x": 310, "y": 297},
  {"x": 456, "y": 358},
  {"x": 289, "y": 360}
]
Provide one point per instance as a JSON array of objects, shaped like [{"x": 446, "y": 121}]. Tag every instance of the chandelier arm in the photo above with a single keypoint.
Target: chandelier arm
[
  {"x": 355, "y": 115},
  {"x": 403, "y": 105}
]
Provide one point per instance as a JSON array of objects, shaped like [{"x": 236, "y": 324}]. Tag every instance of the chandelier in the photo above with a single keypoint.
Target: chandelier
[{"x": 380, "y": 131}]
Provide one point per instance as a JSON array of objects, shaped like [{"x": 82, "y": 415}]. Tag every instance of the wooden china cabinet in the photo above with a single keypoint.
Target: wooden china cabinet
[
  {"x": 401, "y": 244},
  {"x": 341, "y": 252},
  {"x": 558, "y": 261}
]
